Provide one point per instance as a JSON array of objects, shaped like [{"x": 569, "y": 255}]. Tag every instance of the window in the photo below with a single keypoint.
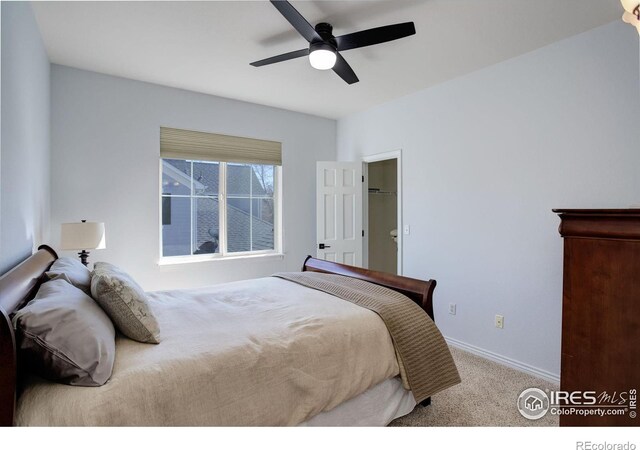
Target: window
[{"x": 218, "y": 208}]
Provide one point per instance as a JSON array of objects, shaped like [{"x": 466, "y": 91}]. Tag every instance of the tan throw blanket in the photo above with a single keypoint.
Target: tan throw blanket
[{"x": 428, "y": 364}]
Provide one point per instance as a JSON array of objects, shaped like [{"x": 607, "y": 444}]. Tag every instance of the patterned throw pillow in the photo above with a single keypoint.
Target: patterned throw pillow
[{"x": 125, "y": 303}]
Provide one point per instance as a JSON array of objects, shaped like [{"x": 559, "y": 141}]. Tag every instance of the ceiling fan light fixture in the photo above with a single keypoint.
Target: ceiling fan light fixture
[
  {"x": 631, "y": 13},
  {"x": 322, "y": 56}
]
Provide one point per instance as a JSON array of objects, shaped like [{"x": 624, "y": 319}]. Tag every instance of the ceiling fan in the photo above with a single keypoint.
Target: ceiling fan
[{"x": 324, "y": 48}]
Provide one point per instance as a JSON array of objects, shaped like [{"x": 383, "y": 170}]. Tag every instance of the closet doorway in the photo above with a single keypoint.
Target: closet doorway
[{"x": 382, "y": 213}]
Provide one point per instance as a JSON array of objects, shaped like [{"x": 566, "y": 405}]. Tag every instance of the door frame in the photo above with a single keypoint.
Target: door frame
[{"x": 397, "y": 155}]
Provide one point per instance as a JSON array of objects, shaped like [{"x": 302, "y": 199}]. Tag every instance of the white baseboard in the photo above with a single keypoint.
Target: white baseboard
[{"x": 522, "y": 367}]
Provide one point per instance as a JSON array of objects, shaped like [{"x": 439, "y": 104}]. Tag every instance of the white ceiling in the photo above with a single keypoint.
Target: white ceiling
[{"x": 207, "y": 46}]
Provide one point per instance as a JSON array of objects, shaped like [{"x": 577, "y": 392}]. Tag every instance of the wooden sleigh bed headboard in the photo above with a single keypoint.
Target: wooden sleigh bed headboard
[
  {"x": 17, "y": 287},
  {"x": 20, "y": 285}
]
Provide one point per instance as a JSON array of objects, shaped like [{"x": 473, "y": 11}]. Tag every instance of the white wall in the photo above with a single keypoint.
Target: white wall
[
  {"x": 24, "y": 159},
  {"x": 105, "y": 148},
  {"x": 485, "y": 159}
]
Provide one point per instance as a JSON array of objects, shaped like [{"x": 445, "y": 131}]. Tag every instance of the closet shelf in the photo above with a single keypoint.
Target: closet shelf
[{"x": 383, "y": 192}]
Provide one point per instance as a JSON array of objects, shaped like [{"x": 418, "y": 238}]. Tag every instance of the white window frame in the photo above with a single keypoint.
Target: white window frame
[{"x": 223, "y": 254}]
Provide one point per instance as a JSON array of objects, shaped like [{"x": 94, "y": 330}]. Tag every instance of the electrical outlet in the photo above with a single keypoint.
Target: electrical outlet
[
  {"x": 452, "y": 309},
  {"x": 499, "y": 321},
  {"x": 407, "y": 229}
]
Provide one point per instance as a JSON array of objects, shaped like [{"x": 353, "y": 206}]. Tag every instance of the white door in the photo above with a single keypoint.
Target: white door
[{"x": 339, "y": 212}]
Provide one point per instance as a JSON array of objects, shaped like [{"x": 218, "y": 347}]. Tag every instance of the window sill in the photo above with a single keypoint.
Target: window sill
[{"x": 176, "y": 260}]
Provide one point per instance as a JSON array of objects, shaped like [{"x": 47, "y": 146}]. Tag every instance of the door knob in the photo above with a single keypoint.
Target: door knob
[{"x": 322, "y": 246}]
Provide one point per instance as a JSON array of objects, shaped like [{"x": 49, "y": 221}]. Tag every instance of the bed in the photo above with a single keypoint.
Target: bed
[{"x": 301, "y": 357}]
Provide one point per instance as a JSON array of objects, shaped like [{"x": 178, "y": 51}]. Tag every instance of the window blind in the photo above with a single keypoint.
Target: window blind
[{"x": 200, "y": 146}]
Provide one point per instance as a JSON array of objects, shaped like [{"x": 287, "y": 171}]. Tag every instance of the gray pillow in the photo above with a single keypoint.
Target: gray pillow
[
  {"x": 76, "y": 272},
  {"x": 125, "y": 302},
  {"x": 63, "y": 336}
]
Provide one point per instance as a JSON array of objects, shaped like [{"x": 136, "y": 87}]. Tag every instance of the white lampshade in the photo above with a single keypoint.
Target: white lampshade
[{"x": 82, "y": 236}]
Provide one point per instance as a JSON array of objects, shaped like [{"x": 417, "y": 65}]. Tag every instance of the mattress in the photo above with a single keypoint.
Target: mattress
[{"x": 259, "y": 352}]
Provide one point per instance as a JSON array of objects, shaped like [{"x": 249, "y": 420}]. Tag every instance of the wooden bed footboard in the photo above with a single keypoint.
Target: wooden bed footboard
[{"x": 419, "y": 291}]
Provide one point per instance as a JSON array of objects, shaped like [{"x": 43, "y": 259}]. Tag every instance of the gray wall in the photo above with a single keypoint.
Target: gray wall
[
  {"x": 24, "y": 154},
  {"x": 485, "y": 159},
  {"x": 105, "y": 167}
]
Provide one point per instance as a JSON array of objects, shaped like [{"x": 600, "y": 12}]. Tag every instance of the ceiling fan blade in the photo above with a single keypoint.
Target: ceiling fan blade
[
  {"x": 375, "y": 36},
  {"x": 295, "y": 18},
  {"x": 344, "y": 70},
  {"x": 280, "y": 58}
]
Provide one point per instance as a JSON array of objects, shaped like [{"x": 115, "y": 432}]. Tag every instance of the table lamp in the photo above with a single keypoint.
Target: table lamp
[{"x": 82, "y": 236}]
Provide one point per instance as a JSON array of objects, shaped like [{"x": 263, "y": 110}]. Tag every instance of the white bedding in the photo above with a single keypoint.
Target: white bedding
[
  {"x": 375, "y": 407},
  {"x": 258, "y": 352}
]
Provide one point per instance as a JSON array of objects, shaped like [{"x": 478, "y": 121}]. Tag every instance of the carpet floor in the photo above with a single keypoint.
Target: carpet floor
[{"x": 486, "y": 397}]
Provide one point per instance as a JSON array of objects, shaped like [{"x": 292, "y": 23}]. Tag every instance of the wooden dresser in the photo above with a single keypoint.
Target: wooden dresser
[{"x": 600, "y": 306}]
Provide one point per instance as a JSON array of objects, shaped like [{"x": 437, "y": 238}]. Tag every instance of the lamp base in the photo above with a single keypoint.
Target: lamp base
[{"x": 83, "y": 257}]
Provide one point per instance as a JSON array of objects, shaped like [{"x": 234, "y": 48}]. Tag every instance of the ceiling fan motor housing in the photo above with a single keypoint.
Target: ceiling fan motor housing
[
  {"x": 321, "y": 45},
  {"x": 325, "y": 30}
]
